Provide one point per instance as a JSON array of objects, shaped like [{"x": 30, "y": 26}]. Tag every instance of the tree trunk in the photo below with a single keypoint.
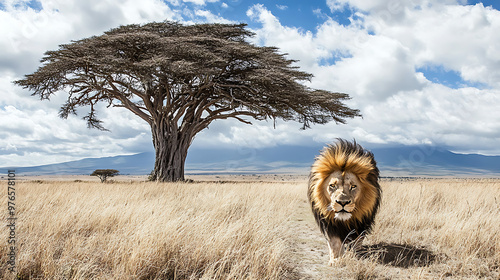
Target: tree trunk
[
  {"x": 171, "y": 147},
  {"x": 103, "y": 178}
]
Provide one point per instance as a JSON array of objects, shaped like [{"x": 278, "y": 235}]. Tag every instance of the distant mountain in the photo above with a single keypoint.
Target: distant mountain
[
  {"x": 434, "y": 161},
  {"x": 392, "y": 161},
  {"x": 131, "y": 164}
]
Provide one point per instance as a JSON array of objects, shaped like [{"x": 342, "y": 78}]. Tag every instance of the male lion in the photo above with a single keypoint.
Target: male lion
[{"x": 344, "y": 194}]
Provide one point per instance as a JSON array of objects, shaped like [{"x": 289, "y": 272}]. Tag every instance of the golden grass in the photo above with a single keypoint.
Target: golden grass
[
  {"x": 454, "y": 222},
  {"x": 79, "y": 230},
  {"x": 245, "y": 230}
]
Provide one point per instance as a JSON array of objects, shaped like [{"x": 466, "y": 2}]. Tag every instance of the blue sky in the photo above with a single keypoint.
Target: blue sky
[{"x": 420, "y": 71}]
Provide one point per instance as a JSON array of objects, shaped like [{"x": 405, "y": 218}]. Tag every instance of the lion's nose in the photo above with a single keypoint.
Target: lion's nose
[{"x": 343, "y": 202}]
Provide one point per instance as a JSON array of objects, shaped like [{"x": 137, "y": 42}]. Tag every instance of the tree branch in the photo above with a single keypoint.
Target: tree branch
[{"x": 129, "y": 104}]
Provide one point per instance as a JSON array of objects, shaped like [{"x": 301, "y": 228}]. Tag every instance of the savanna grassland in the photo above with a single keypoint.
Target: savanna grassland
[{"x": 426, "y": 229}]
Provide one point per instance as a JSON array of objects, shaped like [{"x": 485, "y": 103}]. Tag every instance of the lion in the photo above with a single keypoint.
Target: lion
[{"x": 344, "y": 194}]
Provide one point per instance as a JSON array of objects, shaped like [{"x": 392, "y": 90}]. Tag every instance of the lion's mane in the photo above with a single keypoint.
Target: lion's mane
[{"x": 345, "y": 156}]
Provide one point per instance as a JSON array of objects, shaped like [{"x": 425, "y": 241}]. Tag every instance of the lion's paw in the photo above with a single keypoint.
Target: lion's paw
[{"x": 334, "y": 262}]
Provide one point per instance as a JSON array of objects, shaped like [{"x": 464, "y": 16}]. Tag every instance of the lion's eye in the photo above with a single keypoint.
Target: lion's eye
[
  {"x": 353, "y": 187},
  {"x": 332, "y": 187}
]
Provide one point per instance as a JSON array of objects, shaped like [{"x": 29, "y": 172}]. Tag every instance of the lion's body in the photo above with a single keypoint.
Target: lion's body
[{"x": 344, "y": 193}]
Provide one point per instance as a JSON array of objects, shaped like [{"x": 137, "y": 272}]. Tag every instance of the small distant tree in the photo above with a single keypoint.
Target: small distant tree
[
  {"x": 103, "y": 174},
  {"x": 179, "y": 79}
]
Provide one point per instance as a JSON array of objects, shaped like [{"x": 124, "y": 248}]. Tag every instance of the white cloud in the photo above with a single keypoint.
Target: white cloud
[
  {"x": 462, "y": 38},
  {"x": 438, "y": 115},
  {"x": 377, "y": 68},
  {"x": 387, "y": 6},
  {"x": 399, "y": 105},
  {"x": 297, "y": 43},
  {"x": 282, "y": 7},
  {"x": 41, "y": 137},
  {"x": 210, "y": 17},
  {"x": 28, "y": 33},
  {"x": 200, "y": 2},
  {"x": 232, "y": 134},
  {"x": 35, "y": 134},
  {"x": 372, "y": 67}
]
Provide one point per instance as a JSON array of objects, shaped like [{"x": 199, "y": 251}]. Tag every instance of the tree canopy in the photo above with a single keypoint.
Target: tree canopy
[
  {"x": 103, "y": 174},
  {"x": 180, "y": 78}
]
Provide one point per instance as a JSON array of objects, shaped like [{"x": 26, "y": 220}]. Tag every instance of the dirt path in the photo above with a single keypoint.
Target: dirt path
[{"x": 311, "y": 251}]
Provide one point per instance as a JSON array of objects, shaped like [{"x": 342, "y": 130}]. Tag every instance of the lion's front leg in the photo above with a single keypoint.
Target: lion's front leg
[{"x": 336, "y": 249}]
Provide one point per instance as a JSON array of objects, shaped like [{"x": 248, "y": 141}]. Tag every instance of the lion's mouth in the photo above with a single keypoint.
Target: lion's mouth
[
  {"x": 343, "y": 215},
  {"x": 330, "y": 208}
]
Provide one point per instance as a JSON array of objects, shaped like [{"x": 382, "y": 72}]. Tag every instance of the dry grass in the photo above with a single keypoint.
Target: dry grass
[
  {"x": 152, "y": 231},
  {"x": 433, "y": 229},
  {"x": 426, "y": 229}
]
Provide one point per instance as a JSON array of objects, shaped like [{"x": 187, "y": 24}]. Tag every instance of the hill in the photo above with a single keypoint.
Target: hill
[{"x": 392, "y": 161}]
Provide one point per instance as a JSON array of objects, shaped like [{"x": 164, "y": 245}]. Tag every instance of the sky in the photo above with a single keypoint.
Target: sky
[{"x": 421, "y": 72}]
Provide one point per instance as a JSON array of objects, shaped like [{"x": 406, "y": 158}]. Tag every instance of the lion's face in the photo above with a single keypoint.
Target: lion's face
[{"x": 344, "y": 190}]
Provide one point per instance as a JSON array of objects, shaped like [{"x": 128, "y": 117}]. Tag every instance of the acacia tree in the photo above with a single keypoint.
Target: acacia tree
[
  {"x": 179, "y": 79},
  {"x": 103, "y": 174}
]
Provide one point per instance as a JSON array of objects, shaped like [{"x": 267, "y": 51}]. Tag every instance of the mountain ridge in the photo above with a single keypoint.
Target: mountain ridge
[{"x": 392, "y": 161}]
